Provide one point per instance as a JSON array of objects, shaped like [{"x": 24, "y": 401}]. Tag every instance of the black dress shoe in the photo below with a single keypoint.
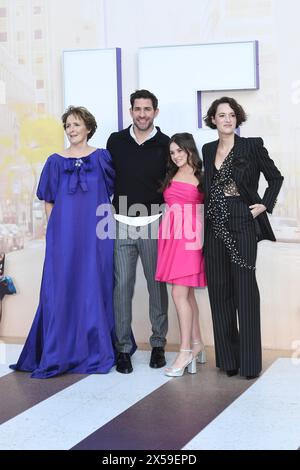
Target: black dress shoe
[
  {"x": 124, "y": 365},
  {"x": 157, "y": 359},
  {"x": 232, "y": 372},
  {"x": 250, "y": 377}
]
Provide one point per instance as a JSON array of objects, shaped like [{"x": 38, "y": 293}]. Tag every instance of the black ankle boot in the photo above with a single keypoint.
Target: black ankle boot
[
  {"x": 232, "y": 372},
  {"x": 124, "y": 365},
  {"x": 157, "y": 359}
]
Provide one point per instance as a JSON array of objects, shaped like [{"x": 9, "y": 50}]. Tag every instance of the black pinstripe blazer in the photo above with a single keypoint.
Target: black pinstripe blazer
[{"x": 249, "y": 160}]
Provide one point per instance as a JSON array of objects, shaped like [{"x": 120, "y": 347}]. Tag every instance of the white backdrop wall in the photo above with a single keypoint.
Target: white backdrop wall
[{"x": 273, "y": 113}]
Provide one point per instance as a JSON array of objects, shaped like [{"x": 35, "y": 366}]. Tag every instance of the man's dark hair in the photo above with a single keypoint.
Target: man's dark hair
[{"x": 146, "y": 94}]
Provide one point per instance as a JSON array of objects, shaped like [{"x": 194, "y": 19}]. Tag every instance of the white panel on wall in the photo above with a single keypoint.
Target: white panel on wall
[
  {"x": 2, "y": 92},
  {"x": 178, "y": 74},
  {"x": 92, "y": 78}
]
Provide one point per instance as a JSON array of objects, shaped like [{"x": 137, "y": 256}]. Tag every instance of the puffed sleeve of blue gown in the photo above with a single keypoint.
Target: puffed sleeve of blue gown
[
  {"x": 108, "y": 170},
  {"x": 48, "y": 184}
]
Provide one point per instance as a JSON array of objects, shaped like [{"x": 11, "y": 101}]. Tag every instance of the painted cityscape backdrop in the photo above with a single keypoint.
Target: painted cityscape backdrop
[{"x": 33, "y": 34}]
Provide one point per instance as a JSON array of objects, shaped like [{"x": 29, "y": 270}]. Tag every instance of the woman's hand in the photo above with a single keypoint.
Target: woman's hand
[{"x": 257, "y": 209}]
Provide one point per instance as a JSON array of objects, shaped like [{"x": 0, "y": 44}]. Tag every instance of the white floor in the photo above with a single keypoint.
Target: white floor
[
  {"x": 265, "y": 417},
  {"x": 9, "y": 354},
  {"x": 66, "y": 418}
]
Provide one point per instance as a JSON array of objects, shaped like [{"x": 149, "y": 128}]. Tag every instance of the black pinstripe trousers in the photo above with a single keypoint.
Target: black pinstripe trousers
[
  {"x": 126, "y": 253},
  {"x": 234, "y": 294}
]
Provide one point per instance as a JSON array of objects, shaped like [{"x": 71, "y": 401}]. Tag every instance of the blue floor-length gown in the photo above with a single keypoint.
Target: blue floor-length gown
[{"x": 74, "y": 323}]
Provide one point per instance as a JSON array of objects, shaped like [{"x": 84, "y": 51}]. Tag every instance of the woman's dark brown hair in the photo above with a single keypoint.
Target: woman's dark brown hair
[
  {"x": 187, "y": 143},
  {"x": 85, "y": 115},
  {"x": 237, "y": 108}
]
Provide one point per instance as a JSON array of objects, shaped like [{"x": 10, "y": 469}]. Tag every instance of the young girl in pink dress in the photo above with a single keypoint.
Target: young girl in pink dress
[{"x": 180, "y": 260}]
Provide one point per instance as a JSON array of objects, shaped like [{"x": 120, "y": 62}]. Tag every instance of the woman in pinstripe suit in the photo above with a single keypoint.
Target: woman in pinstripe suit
[{"x": 236, "y": 220}]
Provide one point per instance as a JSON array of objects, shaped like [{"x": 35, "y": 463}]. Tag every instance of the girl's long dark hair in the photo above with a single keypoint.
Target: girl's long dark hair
[{"x": 186, "y": 142}]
